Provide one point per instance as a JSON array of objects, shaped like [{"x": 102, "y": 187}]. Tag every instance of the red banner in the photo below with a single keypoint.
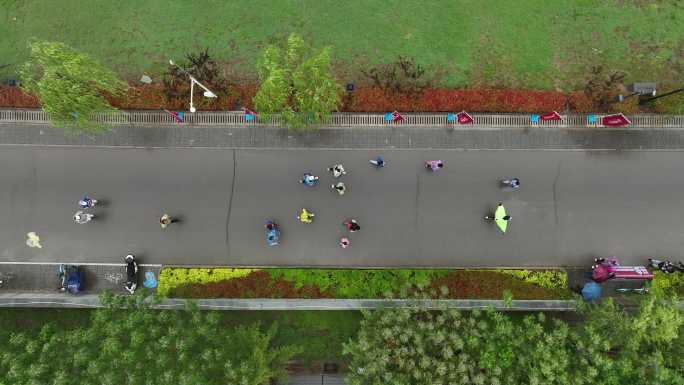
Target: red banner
[
  {"x": 464, "y": 118},
  {"x": 615, "y": 120},
  {"x": 396, "y": 117},
  {"x": 553, "y": 115}
]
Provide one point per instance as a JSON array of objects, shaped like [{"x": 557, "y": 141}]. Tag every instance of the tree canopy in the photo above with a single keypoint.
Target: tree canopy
[
  {"x": 421, "y": 346},
  {"x": 127, "y": 342},
  {"x": 70, "y": 85},
  {"x": 296, "y": 83}
]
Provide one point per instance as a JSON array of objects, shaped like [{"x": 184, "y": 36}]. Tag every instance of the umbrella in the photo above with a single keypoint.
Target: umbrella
[
  {"x": 499, "y": 214},
  {"x": 591, "y": 291}
]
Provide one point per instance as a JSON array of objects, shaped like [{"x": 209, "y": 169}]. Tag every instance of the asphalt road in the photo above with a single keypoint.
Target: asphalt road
[{"x": 572, "y": 206}]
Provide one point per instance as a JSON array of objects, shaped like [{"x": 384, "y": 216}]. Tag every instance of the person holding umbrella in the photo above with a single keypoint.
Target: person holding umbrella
[{"x": 500, "y": 217}]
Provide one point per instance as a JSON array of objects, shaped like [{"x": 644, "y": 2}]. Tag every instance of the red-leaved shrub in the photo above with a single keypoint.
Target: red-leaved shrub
[
  {"x": 443, "y": 99},
  {"x": 364, "y": 99},
  {"x": 579, "y": 102},
  {"x": 15, "y": 97},
  {"x": 258, "y": 284}
]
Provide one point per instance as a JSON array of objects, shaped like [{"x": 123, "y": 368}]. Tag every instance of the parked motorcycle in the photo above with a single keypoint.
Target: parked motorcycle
[
  {"x": 666, "y": 267},
  {"x": 70, "y": 278},
  {"x": 131, "y": 273}
]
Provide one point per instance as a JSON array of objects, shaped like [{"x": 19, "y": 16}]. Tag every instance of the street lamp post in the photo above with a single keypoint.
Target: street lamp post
[{"x": 207, "y": 93}]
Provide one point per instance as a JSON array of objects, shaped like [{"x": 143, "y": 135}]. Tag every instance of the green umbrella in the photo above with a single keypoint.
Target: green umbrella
[{"x": 499, "y": 215}]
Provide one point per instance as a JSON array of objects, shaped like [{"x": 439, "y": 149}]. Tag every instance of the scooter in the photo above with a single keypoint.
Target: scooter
[
  {"x": 87, "y": 202},
  {"x": 513, "y": 183},
  {"x": 378, "y": 162},
  {"x": 434, "y": 165},
  {"x": 131, "y": 273},
  {"x": 337, "y": 171},
  {"x": 272, "y": 233},
  {"x": 309, "y": 180},
  {"x": 81, "y": 217}
]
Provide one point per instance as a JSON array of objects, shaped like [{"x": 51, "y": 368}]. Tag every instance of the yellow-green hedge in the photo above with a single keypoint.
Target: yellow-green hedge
[
  {"x": 171, "y": 277},
  {"x": 550, "y": 279},
  {"x": 668, "y": 284}
]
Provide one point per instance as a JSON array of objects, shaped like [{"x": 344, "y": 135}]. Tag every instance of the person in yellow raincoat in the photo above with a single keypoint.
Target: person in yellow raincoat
[{"x": 306, "y": 216}]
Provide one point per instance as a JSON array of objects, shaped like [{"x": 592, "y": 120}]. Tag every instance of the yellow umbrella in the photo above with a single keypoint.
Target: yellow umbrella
[{"x": 499, "y": 215}]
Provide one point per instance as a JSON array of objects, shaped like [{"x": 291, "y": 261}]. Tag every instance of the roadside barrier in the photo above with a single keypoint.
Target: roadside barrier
[{"x": 239, "y": 118}]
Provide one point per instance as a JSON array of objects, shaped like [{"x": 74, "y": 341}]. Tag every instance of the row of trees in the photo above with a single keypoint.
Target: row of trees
[
  {"x": 610, "y": 346},
  {"x": 127, "y": 342},
  {"x": 296, "y": 82}
]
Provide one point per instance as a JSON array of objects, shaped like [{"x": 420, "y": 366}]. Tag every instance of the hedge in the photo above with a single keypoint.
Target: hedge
[
  {"x": 170, "y": 278},
  {"x": 668, "y": 284},
  {"x": 363, "y": 99},
  {"x": 359, "y": 284}
]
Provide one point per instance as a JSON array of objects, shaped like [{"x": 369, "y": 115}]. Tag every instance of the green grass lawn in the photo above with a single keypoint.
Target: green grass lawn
[{"x": 524, "y": 43}]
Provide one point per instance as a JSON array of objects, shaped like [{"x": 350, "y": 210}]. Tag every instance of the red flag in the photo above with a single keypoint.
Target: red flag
[
  {"x": 553, "y": 115},
  {"x": 615, "y": 120},
  {"x": 464, "y": 118},
  {"x": 396, "y": 117}
]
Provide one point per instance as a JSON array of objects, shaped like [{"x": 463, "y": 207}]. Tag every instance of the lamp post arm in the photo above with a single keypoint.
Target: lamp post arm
[
  {"x": 663, "y": 95},
  {"x": 201, "y": 85}
]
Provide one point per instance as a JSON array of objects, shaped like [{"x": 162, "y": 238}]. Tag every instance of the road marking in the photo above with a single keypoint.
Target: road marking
[{"x": 76, "y": 263}]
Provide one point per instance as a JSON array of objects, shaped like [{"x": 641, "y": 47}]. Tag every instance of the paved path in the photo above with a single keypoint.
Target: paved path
[
  {"x": 573, "y": 205},
  {"x": 355, "y": 137}
]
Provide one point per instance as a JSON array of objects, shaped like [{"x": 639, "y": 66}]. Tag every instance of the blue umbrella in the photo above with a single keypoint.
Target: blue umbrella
[{"x": 591, "y": 291}]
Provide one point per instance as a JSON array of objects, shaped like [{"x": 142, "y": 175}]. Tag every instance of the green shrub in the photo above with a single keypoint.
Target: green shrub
[
  {"x": 550, "y": 279},
  {"x": 170, "y": 278},
  {"x": 673, "y": 104},
  {"x": 348, "y": 283},
  {"x": 371, "y": 283},
  {"x": 668, "y": 284}
]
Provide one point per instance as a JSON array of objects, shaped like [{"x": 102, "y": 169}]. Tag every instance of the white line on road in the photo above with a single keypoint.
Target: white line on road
[{"x": 77, "y": 264}]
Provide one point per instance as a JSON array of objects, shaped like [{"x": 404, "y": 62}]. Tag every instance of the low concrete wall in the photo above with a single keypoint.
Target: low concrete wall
[{"x": 44, "y": 300}]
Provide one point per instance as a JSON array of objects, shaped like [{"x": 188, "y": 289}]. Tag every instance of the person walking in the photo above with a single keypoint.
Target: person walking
[
  {"x": 352, "y": 225},
  {"x": 166, "y": 220},
  {"x": 340, "y": 188}
]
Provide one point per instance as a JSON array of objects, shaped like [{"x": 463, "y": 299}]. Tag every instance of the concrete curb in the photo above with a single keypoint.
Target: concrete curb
[{"x": 41, "y": 300}]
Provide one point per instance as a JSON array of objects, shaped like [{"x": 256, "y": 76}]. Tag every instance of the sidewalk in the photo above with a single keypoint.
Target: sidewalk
[
  {"x": 355, "y": 137},
  {"x": 42, "y": 279}
]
